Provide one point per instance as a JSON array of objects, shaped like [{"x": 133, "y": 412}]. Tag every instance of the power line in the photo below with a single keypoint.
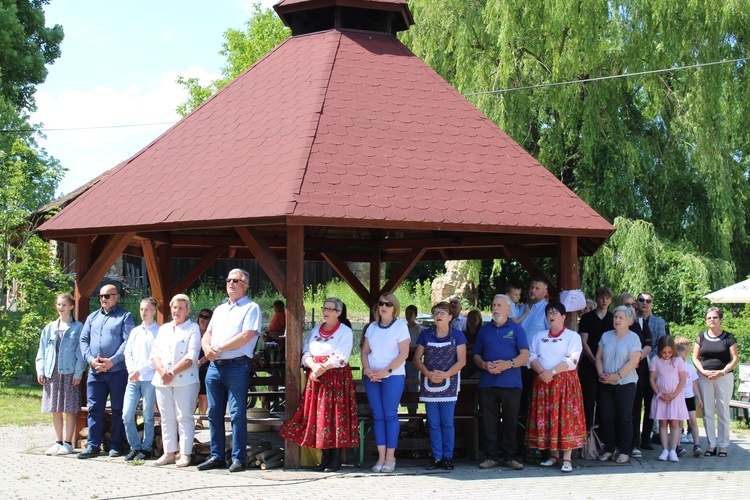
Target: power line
[
  {"x": 610, "y": 77},
  {"x": 471, "y": 94}
]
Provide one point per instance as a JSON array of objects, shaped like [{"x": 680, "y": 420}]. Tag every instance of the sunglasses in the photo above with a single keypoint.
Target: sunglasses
[
  {"x": 629, "y": 304},
  {"x": 234, "y": 280},
  {"x": 642, "y": 300},
  {"x": 204, "y": 316},
  {"x": 106, "y": 296},
  {"x": 384, "y": 303}
]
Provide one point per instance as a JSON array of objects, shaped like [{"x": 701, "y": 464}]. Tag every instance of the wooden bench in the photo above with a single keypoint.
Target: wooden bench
[
  {"x": 467, "y": 427},
  {"x": 744, "y": 406}
]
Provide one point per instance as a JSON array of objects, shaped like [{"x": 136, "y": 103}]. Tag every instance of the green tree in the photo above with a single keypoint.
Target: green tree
[
  {"x": 668, "y": 148},
  {"x": 263, "y": 31},
  {"x": 26, "y": 47}
]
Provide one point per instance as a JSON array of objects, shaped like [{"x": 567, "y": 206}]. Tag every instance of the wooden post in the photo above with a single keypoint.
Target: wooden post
[
  {"x": 374, "y": 278},
  {"x": 83, "y": 264},
  {"x": 568, "y": 273},
  {"x": 295, "y": 255}
]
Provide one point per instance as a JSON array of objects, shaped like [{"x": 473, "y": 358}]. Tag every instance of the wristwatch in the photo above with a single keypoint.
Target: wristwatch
[
  {"x": 390, "y": 371},
  {"x": 512, "y": 363}
]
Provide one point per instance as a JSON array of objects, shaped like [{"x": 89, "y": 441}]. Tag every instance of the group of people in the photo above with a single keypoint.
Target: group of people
[{"x": 555, "y": 382}]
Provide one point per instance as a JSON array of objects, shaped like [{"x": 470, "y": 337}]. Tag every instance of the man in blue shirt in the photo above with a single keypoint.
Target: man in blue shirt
[
  {"x": 103, "y": 340},
  {"x": 500, "y": 350}
]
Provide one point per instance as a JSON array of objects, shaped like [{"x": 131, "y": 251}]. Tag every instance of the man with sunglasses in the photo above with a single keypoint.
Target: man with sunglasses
[
  {"x": 103, "y": 340},
  {"x": 228, "y": 344},
  {"x": 657, "y": 328}
]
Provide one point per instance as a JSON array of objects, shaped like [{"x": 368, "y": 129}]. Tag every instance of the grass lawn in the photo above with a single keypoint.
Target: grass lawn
[{"x": 22, "y": 406}]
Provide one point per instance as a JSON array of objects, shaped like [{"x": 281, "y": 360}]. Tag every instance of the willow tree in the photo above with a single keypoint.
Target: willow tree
[{"x": 671, "y": 148}]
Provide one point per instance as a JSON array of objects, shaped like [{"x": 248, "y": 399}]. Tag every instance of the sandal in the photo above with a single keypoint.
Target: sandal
[
  {"x": 710, "y": 453},
  {"x": 551, "y": 462},
  {"x": 722, "y": 454},
  {"x": 567, "y": 466},
  {"x": 623, "y": 459},
  {"x": 605, "y": 456}
]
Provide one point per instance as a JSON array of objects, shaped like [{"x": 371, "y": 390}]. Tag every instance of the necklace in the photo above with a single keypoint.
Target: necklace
[
  {"x": 555, "y": 335},
  {"x": 325, "y": 335},
  {"x": 385, "y": 327}
]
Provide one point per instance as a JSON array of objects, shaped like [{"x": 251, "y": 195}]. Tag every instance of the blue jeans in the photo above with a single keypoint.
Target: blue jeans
[
  {"x": 228, "y": 383},
  {"x": 133, "y": 393},
  {"x": 442, "y": 428},
  {"x": 384, "y": 397},
  {"x": 98, "y": 387}
]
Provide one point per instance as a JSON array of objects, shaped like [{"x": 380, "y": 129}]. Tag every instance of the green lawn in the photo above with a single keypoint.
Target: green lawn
[{"x": 22, "y": 406}]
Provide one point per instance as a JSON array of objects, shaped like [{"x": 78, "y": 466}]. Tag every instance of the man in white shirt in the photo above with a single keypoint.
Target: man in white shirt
[{"x": 228, "y": 344}]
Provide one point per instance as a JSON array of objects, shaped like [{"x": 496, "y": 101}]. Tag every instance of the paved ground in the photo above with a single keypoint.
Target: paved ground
[{"x": 27, "y": 473}]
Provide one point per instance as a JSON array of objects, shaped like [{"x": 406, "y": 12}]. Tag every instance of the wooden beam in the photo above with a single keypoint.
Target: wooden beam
[
  {"x": 375, "y": 261},
  {"x": 196, "y": 272},
  {"x": 567, "y": 272},
  {"x": 403, "y": 270},
  {"x": 164, "y": 252},
  {"x": 348, "y": 276},
  {"x": 533, "y": 269},
  {"x": 264, "y": 255},
  {"x": 83, "y": 264},
  {"x": 110, "y": 250},
  {"x": 294, "y": 328},
  {"x": 155, "y": 278}
]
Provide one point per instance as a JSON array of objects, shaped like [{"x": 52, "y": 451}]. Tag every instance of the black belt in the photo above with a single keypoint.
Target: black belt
[{"x": 224, "y": 362}]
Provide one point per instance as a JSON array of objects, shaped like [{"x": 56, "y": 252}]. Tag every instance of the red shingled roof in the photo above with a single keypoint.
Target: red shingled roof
[{"x": 346, "y": 126}]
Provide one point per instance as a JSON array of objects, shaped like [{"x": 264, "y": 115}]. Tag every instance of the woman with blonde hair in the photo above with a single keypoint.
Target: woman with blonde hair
[
  {"x": 175, "y": 358},
  {"x": 384, "y": 352}
]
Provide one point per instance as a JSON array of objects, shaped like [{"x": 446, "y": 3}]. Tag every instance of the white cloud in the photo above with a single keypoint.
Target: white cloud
[{"x": 87, "y": 153}]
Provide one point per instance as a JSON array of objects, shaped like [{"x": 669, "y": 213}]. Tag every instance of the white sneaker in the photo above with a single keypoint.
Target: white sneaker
[
  {"x": 690, "y": 438},
  {"x": 664, "y": 456},
  {"x": 684, "y": 439},
  {"x": 672, "y": 456},
  {"x": 65, "y": 449},
  {"x": 52, "y": 450}
]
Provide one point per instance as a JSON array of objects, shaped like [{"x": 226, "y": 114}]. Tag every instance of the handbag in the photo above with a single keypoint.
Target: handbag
[{"x": 594, "y": 446}]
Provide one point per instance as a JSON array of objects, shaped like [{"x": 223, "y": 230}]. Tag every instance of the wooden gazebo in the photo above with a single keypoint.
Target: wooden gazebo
[{"x": 339, "y": 145}]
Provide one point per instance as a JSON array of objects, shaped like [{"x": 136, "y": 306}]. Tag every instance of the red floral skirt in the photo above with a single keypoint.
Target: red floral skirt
[
  {"x": 556, "y": 419},
  {"x": 327, "y": 415}
]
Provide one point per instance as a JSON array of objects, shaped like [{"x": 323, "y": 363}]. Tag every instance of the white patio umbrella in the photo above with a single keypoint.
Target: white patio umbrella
[{"x": 737, "y": 293}]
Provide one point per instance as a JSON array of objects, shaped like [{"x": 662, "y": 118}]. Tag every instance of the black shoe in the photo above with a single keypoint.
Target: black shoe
[
  {"x": 435, "y": 464},
  {"x": 89, "y": 452},
  {"x": 324, "y": 459},
  {"x": 448, "y": 464},
  {"x": 212, "y": 463},
  {"x": 143, "y": 455},
  {"x": 335, "y": 463},
  {"x": 236, "y": 466},
  {"x": 131, "y": 455}
]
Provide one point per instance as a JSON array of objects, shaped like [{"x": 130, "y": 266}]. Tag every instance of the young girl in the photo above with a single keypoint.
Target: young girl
[
  {"x": 59, "y": 368},
  {"x": 667, "y": 379}
]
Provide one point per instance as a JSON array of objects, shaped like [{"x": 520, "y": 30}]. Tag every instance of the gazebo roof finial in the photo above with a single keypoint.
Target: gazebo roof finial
[{"x": 310, "y": 16}]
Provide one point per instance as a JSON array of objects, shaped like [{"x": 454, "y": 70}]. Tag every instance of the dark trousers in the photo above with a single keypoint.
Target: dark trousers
[
  {"x": 492, "y": 399},
  {"x": 589, "y": 390},
  {"x": 639, "y": 401},
  {"x": 616, "y": 412},
  {"x": 98, "y": 387},
  {"x": 648, "y": 422}
]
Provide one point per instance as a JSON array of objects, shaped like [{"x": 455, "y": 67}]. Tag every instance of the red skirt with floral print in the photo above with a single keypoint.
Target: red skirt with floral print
[
  {"x": 556, "y": 419},
  {"x": 327, "y": 415}
]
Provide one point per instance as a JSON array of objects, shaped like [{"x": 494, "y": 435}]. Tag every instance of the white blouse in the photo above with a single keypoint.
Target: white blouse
[
  {"x": 173, "y": 344},
  {"x": 551, "y": 351},
  {"x": 384, "y": 345},
  {"x": 338, "y": 348}
]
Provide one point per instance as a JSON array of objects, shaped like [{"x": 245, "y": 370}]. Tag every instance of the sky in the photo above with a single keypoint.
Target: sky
[{"x": 119, "y": 66}]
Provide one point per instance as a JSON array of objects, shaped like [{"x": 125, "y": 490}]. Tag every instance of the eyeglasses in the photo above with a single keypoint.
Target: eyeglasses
[
  {"x": 384, "y": 303},
  {"x": 329, "y": 309},
  {"x": 106, "y": 296},
  {"x": 629, "y": 304},
  {"x": 712, "y": 318},
  {"x": 204, "y": 316},
  {"x": 644, "y": 300},
  {"x": 439, "y": 312},
  {"x": 234, "y": 280}
]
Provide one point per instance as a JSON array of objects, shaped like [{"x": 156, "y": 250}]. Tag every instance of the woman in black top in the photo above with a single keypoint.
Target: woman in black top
[{"x": 715, "y": 355}]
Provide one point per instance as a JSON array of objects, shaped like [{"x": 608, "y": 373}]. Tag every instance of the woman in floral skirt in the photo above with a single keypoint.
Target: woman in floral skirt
[
  {"x": 556, "y": 419},
  {"x": 327, "y": 417}
]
